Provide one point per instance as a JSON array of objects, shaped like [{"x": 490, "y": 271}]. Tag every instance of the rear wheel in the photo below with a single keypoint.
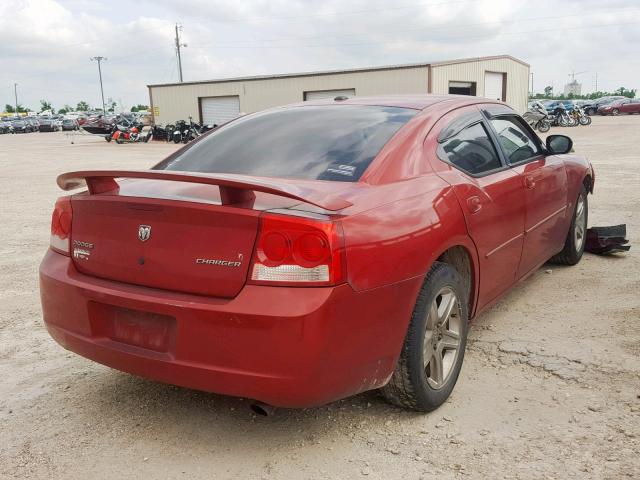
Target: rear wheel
[
  {"x": 577, "y": 235},
  {"x": 433, "y": 349}
]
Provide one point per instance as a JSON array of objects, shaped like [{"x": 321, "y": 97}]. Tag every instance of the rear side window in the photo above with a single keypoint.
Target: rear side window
[
  {"x": 471, "y": 150},
  {"x": 332, "y": 142},
  {"x": 516, "y": 142}
]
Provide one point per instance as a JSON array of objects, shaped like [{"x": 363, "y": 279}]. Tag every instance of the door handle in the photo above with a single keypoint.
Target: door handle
[
  {"x": 474, "y": 204},
  {"x": 529, "y": 182}
]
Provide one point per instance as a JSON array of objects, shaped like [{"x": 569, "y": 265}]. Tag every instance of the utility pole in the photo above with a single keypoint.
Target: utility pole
[
  {"x": 178, "y": 45},
  {"x": 15, "y": 91},
  {"x": 100, "y": 59},
  {"x": 596, "y": 81}
]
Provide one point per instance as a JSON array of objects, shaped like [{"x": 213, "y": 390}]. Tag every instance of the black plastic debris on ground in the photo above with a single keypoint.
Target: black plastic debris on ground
[{"x": 606, "y": 240}]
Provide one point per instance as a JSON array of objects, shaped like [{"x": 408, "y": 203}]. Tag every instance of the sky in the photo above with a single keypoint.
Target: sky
[{"x": 46, "y": 45}]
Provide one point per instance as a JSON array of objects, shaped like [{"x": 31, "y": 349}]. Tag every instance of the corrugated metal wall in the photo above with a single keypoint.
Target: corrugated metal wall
[
  {"x": 517, "y": 78},
  {"x": 176, "y": 102}
]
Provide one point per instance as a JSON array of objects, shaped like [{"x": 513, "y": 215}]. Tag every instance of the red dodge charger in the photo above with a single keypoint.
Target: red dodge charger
[{"x": 306, "y": 253}]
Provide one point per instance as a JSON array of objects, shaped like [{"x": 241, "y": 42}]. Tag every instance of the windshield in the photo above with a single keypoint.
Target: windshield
[{"x": 332, "y": 142}]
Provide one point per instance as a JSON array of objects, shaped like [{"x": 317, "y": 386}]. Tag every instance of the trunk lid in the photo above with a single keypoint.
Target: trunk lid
[{"x": 182, "y": 246}]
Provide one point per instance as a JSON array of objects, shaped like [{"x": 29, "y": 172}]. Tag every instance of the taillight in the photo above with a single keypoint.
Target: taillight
[
  {"x": 61, "y": 226},
  {"x": 298, "y": 251}
]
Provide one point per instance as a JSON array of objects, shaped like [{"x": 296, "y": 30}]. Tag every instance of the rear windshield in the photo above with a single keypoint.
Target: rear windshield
[{"x": 332, "y": 142}]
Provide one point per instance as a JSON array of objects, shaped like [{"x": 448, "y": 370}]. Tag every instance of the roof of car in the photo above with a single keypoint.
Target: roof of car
[{"x": 418, "y": 102}]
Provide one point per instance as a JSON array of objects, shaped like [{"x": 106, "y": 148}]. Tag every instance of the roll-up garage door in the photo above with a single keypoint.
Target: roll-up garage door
[
  {"x": 322, "y": 94},
  {"x": 218, "y": 110},
  {"x": 493, "y": 85}
]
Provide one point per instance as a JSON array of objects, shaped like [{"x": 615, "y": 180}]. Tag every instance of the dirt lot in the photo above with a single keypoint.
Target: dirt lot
[{"x": 550, "y": 387}]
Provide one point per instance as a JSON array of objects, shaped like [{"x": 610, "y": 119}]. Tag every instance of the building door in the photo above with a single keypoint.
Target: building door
[
  {"x": 494, "y": 85},
  {"x": 218, "y": 110},
  {"x": 462, "y": 88},
  {"x": 322, "y": 94}
]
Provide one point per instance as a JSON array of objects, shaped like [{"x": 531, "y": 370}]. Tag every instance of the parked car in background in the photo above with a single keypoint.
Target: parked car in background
[
  {"x": 552, "y": 105},
  {"x": 21, "y": 126},
  {"x": 591, "y": 108},
  {"x": 70, "y": 124},
  {"x": 626, "y": 105},
  {"x": 345, "y": 248},
  {"x": 48, "y": 124},
  {"x": 5, "y": 126},
  {"x": 33, "y": 123}
]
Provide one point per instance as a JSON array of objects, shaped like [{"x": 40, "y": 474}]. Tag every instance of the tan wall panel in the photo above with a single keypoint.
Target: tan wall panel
[{"x": 179, "y": 101}]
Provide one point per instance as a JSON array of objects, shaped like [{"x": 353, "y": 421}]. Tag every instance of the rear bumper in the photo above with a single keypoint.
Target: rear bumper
[{"x": 289, "y": 347}]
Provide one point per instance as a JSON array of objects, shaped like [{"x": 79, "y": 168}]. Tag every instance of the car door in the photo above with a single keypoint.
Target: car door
[
  {"x": 631, "y": 106},
  {"x": 545, "y": 186},
  {"x": 490, "y": 194}
]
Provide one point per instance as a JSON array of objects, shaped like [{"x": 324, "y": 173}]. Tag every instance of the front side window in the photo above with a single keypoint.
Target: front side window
[
  {"x": 332, "y": 142},
  {"x": 516, "y": 142},
  {"x": 470, "y": 150}
]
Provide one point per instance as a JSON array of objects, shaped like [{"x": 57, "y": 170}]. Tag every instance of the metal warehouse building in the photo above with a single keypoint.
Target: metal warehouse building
[{"x": 215, "y": 101}]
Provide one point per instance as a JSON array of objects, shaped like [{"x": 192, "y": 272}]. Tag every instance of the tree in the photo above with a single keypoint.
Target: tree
[
  {"x": 22, "y": 109},
  {"x": 626, "y": 93},
  {"x": 82, "y": 106},
  {"x": 9, "y": 108},
  {"x": 548, "y": 91},
  {"x": 46, "y": 105},
  {"x": 139, "y": 108}
]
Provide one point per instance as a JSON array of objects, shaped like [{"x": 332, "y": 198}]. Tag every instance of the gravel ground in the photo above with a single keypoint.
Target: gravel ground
[{"x": 550, "y": 388}]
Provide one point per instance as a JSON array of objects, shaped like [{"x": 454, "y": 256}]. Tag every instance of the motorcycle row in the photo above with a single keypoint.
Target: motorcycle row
[
  {"x": 180, "y": 132},
  {"x": 542, "y": 120}
]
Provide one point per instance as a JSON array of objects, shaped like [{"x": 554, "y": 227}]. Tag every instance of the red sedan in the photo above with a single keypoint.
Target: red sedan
[
  {"x": 308, "y": 253},
  {"x": 626, "y": 105}
]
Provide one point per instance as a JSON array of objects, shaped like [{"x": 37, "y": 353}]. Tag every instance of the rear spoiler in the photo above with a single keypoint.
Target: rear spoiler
[{"x": 233, "y": 188}]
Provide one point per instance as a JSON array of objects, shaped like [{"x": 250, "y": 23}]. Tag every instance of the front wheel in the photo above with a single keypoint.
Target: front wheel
[
  {"x": 433, "y": 349},
  {"x": 615, "y": 111},
  {"x": 543, "y": 126},
  {"x": 577, "y": 236}
]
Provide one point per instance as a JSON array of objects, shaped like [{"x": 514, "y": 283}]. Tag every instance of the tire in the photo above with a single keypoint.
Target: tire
[
  {"x": 577, "y": 236},
  {"x": 544, "y": 126},
  {"x": 416, "y": 384},
  {"x": 615, "y": 111}
]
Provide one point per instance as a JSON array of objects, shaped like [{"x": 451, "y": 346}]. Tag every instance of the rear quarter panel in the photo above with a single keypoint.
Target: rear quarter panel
[{"x": 401, "y": 239}]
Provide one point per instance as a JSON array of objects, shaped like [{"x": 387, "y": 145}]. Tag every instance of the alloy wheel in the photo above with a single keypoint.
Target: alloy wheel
[
  {"x": 580, "y": 224},
  {"x": 441, "y": 344}
]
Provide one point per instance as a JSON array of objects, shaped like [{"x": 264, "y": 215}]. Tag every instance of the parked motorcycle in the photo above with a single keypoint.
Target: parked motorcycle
[
  {"x": 179, "y": 130},
  {"x": 580, "y": 117},
  {"x": 161, "y": 133},
  {"x": 537, "y": 117},
  {"x": 561, "y": 117},
  {"x": 121, "y": 134}
]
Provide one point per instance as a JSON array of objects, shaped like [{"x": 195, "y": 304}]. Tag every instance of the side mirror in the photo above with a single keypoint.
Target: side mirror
[{"x": 559, "y": 144}]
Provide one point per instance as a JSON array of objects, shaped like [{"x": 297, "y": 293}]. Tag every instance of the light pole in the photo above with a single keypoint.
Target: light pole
[
  {"x": 178, "y": 45},
  {"x": 100, "y": 59},
  {"x": 15, "y": 92}
]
